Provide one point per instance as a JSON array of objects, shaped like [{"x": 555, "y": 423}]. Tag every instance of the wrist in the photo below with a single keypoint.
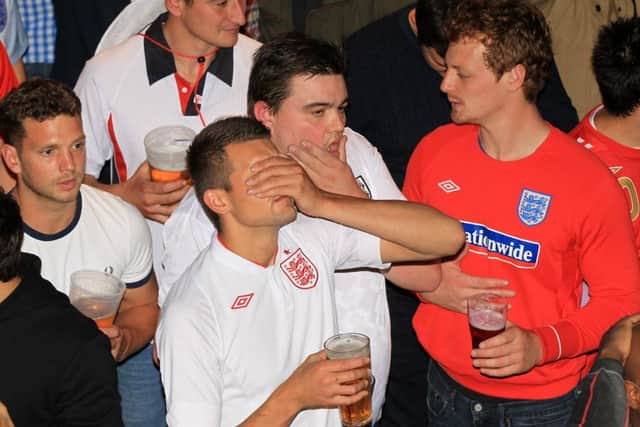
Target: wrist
[{"x": 285, "y": 401}]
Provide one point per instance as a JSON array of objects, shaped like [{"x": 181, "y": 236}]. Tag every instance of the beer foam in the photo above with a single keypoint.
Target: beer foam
[{"x": 487, "y": 320}]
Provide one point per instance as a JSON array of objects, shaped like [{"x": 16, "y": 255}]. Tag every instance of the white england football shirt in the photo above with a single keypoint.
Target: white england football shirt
[
  {"x": 131, "y": 88},
  {"x": 231, "y": 331},
  {"x": 106, "y": 234},
  {"x": 361, "y": 300}
]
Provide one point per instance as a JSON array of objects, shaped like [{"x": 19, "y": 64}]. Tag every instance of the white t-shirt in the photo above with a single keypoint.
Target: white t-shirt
[
  {"x": 106, "y": 234},
  {"x": 361, "y": 299},
  {"x": 130, "y": 89},
  {"x": 231, "y": 330}
]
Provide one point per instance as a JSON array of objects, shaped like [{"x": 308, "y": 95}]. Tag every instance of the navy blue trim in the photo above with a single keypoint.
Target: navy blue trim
[
  {"x": 60, "y": 234},
  {"x": 160, "y": 63},
  {"x": 139, "y": 283}
]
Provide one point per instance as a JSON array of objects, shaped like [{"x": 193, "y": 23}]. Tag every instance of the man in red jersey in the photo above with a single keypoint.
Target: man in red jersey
[
  {"x": 537, "y": 209},
  {"x": 612, "y": 130}
]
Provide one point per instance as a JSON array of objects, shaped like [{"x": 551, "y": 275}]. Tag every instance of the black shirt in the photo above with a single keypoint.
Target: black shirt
[{"x": 56, "y": 368}]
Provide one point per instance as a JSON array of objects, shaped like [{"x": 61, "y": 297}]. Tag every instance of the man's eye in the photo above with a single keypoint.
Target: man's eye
[
  {"x": 47, "y": 151},
  {"x": 317, "y": 113},
  {"x": 78, "y": 146}
]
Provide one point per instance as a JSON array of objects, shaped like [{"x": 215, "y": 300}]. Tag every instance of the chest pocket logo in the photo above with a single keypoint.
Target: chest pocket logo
[
  {"x": 300, "y": 270},
  {"x": 533, "y": 207}
]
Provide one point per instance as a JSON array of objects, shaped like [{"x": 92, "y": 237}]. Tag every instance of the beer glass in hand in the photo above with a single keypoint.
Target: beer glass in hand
[
  {"x": 348, "y": 346},
  {"x": 97, "y": 295},
  {"x": 487, "y": 317},
  {"x": 166, "y": 149}
]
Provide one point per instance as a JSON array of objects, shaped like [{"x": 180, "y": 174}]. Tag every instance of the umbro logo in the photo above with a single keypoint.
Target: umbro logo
[
  {"x": 448, "y": 186},
  {"x": 615, "y": 169},
  {"x": 242, "y": 301}
]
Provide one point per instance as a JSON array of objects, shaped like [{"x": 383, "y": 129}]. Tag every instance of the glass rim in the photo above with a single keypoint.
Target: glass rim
[{"x": 365, "y": 341}]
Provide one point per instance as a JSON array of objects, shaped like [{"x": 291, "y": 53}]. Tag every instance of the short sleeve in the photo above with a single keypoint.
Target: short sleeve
[
  {"x": 140, "y": 263},
  {"x": 189, "y": 348},
  {"x": 187, "y": 232},
  {"x": 95, "y": 120}
]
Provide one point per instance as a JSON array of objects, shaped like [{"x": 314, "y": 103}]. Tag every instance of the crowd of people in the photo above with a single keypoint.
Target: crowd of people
[{"x": 291, "y": 226}]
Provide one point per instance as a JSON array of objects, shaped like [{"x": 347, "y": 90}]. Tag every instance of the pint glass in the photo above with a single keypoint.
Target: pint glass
[
  {"x": 348, "y": 346},
  {"x": 97, "y": 295},
  {"x": 166, "y": 149},
  {"x": 487, "y": 317}
]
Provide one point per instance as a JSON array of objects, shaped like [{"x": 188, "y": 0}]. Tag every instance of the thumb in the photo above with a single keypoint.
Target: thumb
[
  {"x": 342, "y": 148},
  {"x": 316, "y": 357}
]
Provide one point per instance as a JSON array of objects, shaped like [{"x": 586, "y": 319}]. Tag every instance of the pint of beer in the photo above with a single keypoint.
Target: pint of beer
[
  {"x": 348, "y": 346},
  {"x": 97, "y": 295},
  {"x": 166, "y": 149},
  {"x": 487, "y": 317}
]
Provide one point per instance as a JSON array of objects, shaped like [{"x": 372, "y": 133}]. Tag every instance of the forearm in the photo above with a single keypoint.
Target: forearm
[
  {"x": 417, "y": 227},
  {"x": 277, "y": 411},
  {"x": 423, "y": 278},
  {"x": 581, "y": 331},
  {"x": 139, "y": 324}
]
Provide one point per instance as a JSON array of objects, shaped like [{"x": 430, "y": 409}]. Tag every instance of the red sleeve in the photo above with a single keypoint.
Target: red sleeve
[
  {"x": 609, "y": 264},
  {"x": 8, "y": 78}
]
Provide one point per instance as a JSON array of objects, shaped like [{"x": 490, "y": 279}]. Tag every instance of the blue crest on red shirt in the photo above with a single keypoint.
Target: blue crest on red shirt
[{"x": 533, "y": 207}]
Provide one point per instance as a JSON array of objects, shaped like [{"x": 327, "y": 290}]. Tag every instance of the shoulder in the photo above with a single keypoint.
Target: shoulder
[
  {"x": 383, "y": 32},
  {"x": 114, "y": 61},
  {"x": 104, "y": 206},
  {"x": 244, "y": 50}
]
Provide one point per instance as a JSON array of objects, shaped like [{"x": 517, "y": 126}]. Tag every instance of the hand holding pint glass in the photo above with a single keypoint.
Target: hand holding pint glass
[
  {"x": 97, "y": 295},
  {"x": 487, "y": 317},
  {"x": 348, "y": 346},
  {"x": 166, "y": 149}
]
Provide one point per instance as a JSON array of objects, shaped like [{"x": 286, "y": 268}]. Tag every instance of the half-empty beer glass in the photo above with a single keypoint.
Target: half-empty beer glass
[
  {"x": 166, "y": 149},
  {"x": 348, "y": 346},
  {"x": 487, "y": 317},
  {"x": 97, "y": 295}
]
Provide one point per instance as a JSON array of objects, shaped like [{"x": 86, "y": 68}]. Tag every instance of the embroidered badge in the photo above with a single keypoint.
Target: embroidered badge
[
  {"x": 300, "y": 270},
  {"x": 242, "y": 301},
  {"x": 533, "y": 207}
]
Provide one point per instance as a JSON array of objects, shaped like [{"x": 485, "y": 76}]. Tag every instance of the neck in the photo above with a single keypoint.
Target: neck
[
  {"x": 7, "y": 288},
  {"x": 44, "y": 215},
  {"x": 514, "y": 133},
  {"x": 258, "y": 245},
  {"x": 623, "y": 130},
  {"x": 188, "y": 49}
]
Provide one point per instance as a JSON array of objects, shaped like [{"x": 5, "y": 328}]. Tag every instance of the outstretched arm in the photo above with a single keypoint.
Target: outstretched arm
[{"x": 409, "y": 231}]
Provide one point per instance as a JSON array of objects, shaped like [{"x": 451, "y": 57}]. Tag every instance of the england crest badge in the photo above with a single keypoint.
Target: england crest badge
[
  {"x": 533, "y": 207},
  {"x": 300, "y": 271}
]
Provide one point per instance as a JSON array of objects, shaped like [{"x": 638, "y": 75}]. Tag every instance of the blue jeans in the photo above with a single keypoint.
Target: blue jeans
[
  {"x": 448, "y": 407},
  {"x": 141, "y": 391}
]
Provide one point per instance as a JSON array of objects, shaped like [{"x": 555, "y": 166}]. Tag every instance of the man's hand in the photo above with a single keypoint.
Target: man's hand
[
  {"x": 514, "y": 351},
  {"x": 155, "y": 200},
  {"x": 5, "y": 419},
  {"x": 120, "y": 340},
  {"x": 281, "y": 176},
  {"x": 616, "y": 342},
  {"x": 328, "y": 172},
  {"x": 321, "y": 383},
  {"x": 456, "y": 286}
]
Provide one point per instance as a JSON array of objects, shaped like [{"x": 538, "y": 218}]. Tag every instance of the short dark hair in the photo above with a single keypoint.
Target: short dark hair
[
  {"x": 207, "y": 158},
  {"x": 616, "y": 65},
  {"x": 432, "y": 17},
  {"x": 10, "y": 237},
  {"x": 512, "y": 31},
  {"x": 38, "y": 99},
  {"x": 286, "y": 56}
]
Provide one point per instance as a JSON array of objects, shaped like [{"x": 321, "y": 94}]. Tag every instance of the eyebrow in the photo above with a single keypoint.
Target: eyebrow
[{"x": 313, "y": 105}]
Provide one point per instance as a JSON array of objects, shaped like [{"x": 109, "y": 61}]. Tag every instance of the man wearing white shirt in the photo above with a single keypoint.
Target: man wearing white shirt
[
  {"x": 296, "y": 89},
  {"x": 241, "y": 328}
]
